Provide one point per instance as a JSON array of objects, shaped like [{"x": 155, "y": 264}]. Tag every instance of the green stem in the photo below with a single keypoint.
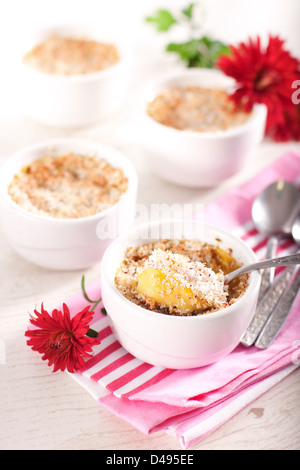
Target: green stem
[
  {"x": 94, "y": 303},
  {"x": 84, "y": 291}
]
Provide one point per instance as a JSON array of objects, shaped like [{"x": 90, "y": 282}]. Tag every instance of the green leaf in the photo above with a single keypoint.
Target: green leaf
[
  {"x": 92, "y": 333},
  {"x": 188, "y": 11},
  {"x": 202, "y": 52},
  {"x": 162, "y": 19}
]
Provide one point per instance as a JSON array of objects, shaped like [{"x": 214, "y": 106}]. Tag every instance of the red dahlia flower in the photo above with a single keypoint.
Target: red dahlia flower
[
  {"x": 61, "y": 339},
  {"x": 266, "y": 76}
]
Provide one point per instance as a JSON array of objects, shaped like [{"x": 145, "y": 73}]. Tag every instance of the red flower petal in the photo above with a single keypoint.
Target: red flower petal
[
  {"x": 61, "y": 339},
  {"x": 265, "y": 76}
]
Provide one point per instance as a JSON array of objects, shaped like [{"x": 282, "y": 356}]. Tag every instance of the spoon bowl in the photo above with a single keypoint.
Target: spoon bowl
[{"x": 275, "y": 209}]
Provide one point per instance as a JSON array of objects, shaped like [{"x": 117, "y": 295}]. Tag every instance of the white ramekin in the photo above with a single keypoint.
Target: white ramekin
[
  {"x": 172, "y": 341},
  {"x": 75, "y": 100},
  {"x": 65, "y": 244},
  {"x": 195, "y": 159}
]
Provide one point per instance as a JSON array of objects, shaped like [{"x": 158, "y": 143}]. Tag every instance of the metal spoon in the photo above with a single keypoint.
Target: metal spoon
[
  {"x": 280, "y": 200},
  {"x": 273, "y": 213},
  {"x": 296, "y": 229},
  {"x": 268, "y": 263},
  {"x": 286, "y": 301}
]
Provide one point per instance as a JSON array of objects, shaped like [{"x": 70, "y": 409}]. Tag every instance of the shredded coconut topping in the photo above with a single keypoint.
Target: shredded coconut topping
[
  {"x": 151, "y": 279},
  {"x": 195, "y": 275}
]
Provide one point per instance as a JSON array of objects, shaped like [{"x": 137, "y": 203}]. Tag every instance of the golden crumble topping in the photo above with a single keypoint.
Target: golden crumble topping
[
  {"x": 67, "y": 186},
  {"x": 196, "y": 109},
  {"x": 71, "y": 56}
]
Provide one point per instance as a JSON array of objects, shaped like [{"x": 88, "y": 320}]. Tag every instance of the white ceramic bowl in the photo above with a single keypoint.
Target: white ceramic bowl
[
  {"x": 65, "y": 244},
  {"x": 75, "y": 100},
  {"x": 195, "y": 159},
  {"x": 173, "y": 341}
]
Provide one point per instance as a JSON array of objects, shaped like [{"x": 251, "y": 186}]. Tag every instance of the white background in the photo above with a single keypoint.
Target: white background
[
  {"x": 228, "y": 20},
  {"x": 231, "y": 20}
]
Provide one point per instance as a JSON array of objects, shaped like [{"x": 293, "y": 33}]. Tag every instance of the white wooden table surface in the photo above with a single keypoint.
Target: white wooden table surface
[{"x": 42, "y": 410}]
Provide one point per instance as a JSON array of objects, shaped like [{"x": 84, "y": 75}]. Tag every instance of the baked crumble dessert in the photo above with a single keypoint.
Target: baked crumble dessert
[
  {"x": 71, "y": 56},
  {"x": 67, "y": 186},
  {"x": 196, "y": 109},
  {"x": 179, "y": 277}
]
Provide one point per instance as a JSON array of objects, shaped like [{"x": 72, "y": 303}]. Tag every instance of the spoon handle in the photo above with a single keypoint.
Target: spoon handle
[
  {"x": 267, "y": 276},
  {"x": 268, "y": 263},
  {"x": 279, "y": 314},
  {"x": 266, "y": 306}
]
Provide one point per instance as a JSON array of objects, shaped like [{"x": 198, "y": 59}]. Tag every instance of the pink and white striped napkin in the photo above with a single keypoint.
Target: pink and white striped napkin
[{"x": 190, "y": 404}]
